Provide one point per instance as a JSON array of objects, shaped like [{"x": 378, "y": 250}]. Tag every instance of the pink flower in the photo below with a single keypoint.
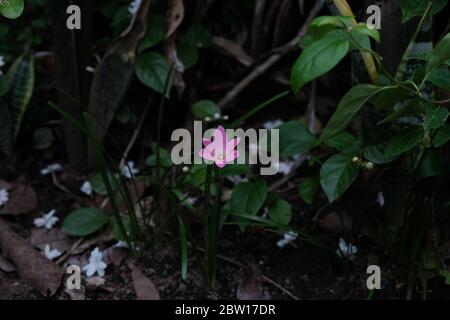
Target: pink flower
[{"x": 219, "y": 149}]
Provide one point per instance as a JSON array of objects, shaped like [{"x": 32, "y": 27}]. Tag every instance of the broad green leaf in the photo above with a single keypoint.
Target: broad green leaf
[
  {"x": 430, "y": 165},
  {"x": 42, "y": 138},
  {"x": 350, "y": 104},
  {"x": 363, "y": 28},
  {"x": 340, "y": 141},
  {"x": 440, "y": 54},
  {"x": 164, "y": 157},
  {"x": 11, "y": 9},
  {"x": 319, "y": 58},
  {"x": 98, "y": 184},
  {"x": 116, "y": 229},
  {"x": 307, "y": 189},
  {"x": 234, "y": 169},
  {"x": 390, "y": 97},
  {"x": 187, "y": 53},
  {"x": 85, "y": 221},
  {"x": 440, "y": 77},
  {"x": 403, "y": 142},
  {"x": 206, "y": 108},
  {"x": 375, "y": 154},
  {"x": 280, "y": 212},
  {"x": 330, "y": 22},
  {"x": 337, "y": 174},
  {"x": 442, "y": 136},
  {"x": 156, "y": 32},
  {"x": 295, "y": 139},
  {"x": 417, "y": 8},
  {"x": 153, "y": 70},
  {"x": 198, "y": 36},
  {"x": 406, "y": 109},
  {"x": 248, "y": 198},
  {"x": 435, "y": 118}
]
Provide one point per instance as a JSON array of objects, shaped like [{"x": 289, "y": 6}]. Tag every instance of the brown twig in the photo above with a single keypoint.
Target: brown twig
[{"x": 275, "y": 56}]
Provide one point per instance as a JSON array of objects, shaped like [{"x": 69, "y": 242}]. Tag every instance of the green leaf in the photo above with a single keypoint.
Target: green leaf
[
  {"x": 164, "y": 157},
  {"x": 440, "y": 54},
  {"x": 11, "y": 9},
  {"x": 85, "y": 221},
  {"x": 435, "y": 118},
  {"x": 337, "y": 174},
  {"x": 234, "y": 169},
  {"x": 295, "y": 138},
  {"x": 248, "y": 198},
  {"x": 442, "y": 136},
  {"x": 156, "y": 32},
  {"x": 199, "y": 36},
  {"x": 390, "y": 97},
  {"x": 408, "y": 108},
  {"x": 417, "y": 8},
  {"x": 307, "y": 189},
  {"x": 116, "y": 229},
  {"x": 153, "y": 70},
  {"x": 319, "y": 58},
  {"x": 350, "y": 104},
  {"x": 340, "y": 141},
  {"x": 440, "y": 77},
  {"x": 430, "y": 165},
  {"x": 375, "y": 154},
  {"x": 446, "y": 275},
  {"x": 363, "y": 28},
  {"x": 403, "y": 142},
  {"x": 329, "y": 22},
  {"x": 188, "y": 54},
  {"x": 206, "y": 108},
  {"x": 280, "y": 212},
  {"x": 98, "y": 184},
  {"x": 42, "y": 138}
]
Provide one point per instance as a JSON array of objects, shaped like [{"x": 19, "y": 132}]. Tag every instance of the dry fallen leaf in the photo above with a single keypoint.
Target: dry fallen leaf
[
  {"x": 55, "y": 238},
  {"x": 336, "y": 222},
  {"x": 31, "y": 265},
  {"x": 22, "y": 200},
  {"x": 6, "y": 266},
  {"x": 76, "y": 294},
  {"x": 114, "y": 255},
  {"x": 144, "y": 287}
]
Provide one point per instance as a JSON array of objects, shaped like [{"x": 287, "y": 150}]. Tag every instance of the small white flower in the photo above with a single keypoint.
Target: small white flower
[
  {"x": 129, "y": 171},
  {"x": 46, "y": 221},
  {"x": 191, "y": 200},
  {"x": 90, "y": 69},
  {"x": 380, "y": 199},
  {"x": 134, "y": 6},
  {"x": 285, "y": 167},
  {"x": 51, "y": 254},
  {"x": 121, "y": 244},
  {"x": 86, "y": 188},
  {"x": 288, "y": 237},
  {"x": 272, "y": 124},
  {"x": 2, "y": 61},
  {"x": 185, "y": 169},
  {"x": 207, "y": 119},
  {"x": 4, "y": 197},
  {"x": 217, "y": 115},
  {"x": 51, "y": 168},
  {"x": 95, "y": 265},
  {"x": 346, "y": 250},
  {"x": 225, "y": 117}
]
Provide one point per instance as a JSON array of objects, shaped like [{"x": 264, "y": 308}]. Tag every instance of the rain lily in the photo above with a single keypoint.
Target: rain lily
[
  {"x": 129, "y": 171},
  {"x": 95, "y": 265},
  {"x": 272, "y": 124},
  {"x": 51, "y": 254},
  {"x": 46, "y": 221},
  {"x": 134, "y": 6},
  {"x": 86, "y": 188},
  {"x": 288, "y": 237},
  {"x": 4, "y": 197},
  {"x": 219, "y": 149},
  {"x": 346, "y": 250},
  {"x": 51, "y": 168}
]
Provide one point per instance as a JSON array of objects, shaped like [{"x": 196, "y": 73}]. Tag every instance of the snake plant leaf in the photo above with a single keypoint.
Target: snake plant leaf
[
  {"x": 21, "y": 79},
  {"x": 11, "y": 9},
  {"x": 319, "y": 57}
]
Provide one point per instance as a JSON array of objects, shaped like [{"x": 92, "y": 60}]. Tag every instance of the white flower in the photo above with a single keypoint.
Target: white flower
[
  {"x": 380, "y": 199},
  {"x": 46, "y": 221},
  {"x": 346, "y": 250},
  {"x": 4, "y": 197},
  {"x": 185, "y": 169},
  {"x": 121, "y": 244},
  {"x": 90, "y": 69},
  {"x": 237, "y": 179},
  {"x": 285, "y": 167},
  {"x": 207, "y": 119},
  {"x": 191, "y": 200},
  {"x": 95, "y": 265},
  {"x": 51, "y": 254},
  {"x": 217, "y": 115},
  {"x": 129, "y": 171},
  {"x": 134, "y": 6},
  {"x": 51, "y": 168},
  {"x": 288, "y": 237},
  {"x": 272, "y": 124},
  {"x": 86, "y": 188}
]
